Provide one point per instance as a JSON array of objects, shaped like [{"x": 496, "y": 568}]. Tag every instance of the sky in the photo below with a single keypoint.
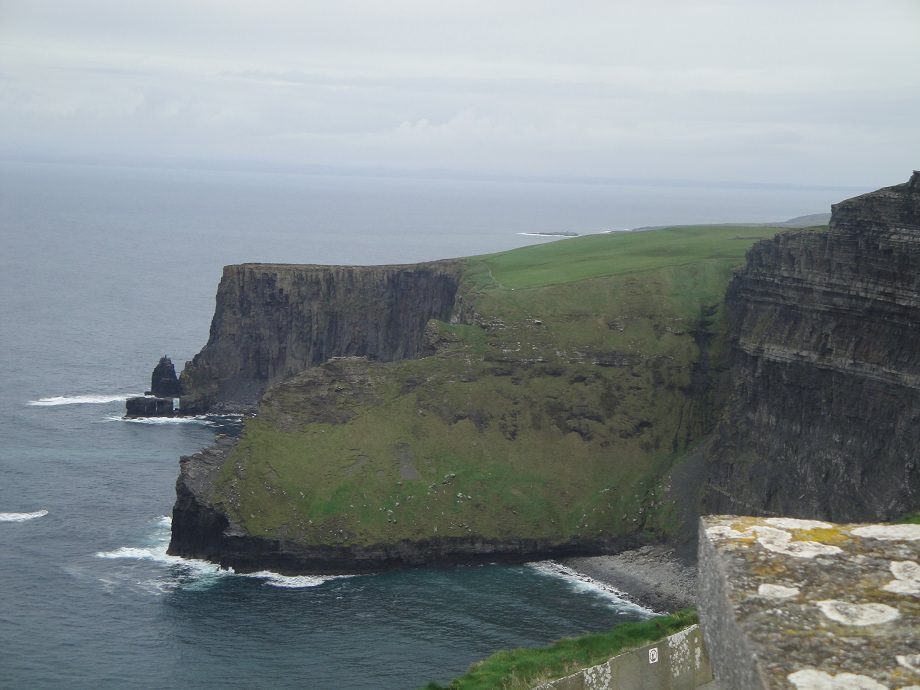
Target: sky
[{"x": 808, "y": 92}]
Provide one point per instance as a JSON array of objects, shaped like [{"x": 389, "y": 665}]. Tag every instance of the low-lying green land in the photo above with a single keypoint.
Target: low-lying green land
[
  {"x": 520, "y": 669},
  {"x": 578, "y": 374}
]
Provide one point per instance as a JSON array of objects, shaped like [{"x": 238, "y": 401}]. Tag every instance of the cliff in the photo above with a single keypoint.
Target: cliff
[
  {"x": 514, "y": 406},
  {"x": 824, "y": 417},
  {"x": 273, "y": 321},
  {"x": 574, "y": 397}
]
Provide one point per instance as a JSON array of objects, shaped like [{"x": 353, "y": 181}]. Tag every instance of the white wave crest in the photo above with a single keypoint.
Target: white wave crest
[
  {"x": 198, "y": 574},
  {"x": 22, "y": 517},
  {"x": 292, "y": 581},
  {"x": 199, "y": 419},
  {"x": 157, "y": 553},
  {"x": 583, "y": 583},
  {"x": 205, "y": 571},
  {"x": 56, "y": 400}
]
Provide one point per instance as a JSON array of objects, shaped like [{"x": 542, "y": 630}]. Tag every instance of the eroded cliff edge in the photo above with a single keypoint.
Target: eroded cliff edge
[
  {"x": 824, "y": 418},
  {"x": 272, "y": 321}
]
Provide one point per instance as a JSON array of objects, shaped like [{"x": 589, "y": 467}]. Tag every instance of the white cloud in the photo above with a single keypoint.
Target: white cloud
[{"x": 820, "y": 91}]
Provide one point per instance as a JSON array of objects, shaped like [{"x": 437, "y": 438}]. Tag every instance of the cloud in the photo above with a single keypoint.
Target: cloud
[{"x": 821, "y": 91}]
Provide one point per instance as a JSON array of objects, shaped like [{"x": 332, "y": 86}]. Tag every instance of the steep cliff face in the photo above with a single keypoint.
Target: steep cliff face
[
  {"x": 272, "y": 321},
  {"x": 824, "y": 420}
]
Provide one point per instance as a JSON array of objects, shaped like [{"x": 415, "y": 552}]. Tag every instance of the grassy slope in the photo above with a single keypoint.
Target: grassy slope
[
  {"x": 519, "y": 669},
  {"x": 555, "y": 416}
]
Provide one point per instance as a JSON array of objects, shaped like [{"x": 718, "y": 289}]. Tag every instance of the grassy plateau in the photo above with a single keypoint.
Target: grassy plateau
[{"x": 581, "y": 372}]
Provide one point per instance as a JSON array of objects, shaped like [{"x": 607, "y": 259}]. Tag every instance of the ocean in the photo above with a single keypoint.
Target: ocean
[{"x": 102, "y": 271}]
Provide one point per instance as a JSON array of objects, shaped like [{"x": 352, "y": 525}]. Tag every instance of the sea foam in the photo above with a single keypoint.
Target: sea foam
[
  {"x": 582, "y": 583},
  {"x": 198, "y": 419},
  {"x": 22, "y": 517},
  {"x": 54, "y": 401},
  {"x": 193, "y": 573}
]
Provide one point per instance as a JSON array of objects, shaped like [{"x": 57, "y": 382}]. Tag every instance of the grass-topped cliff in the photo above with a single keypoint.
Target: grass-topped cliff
[{"x": 550, "y": 406}]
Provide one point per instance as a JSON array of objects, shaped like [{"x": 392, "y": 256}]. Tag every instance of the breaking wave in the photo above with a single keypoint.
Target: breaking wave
[
  {"x": 54, "y": 401},
  {"x": 205, "y": 420},
  {"x": 22, "y": 517},
  {"x": 582, "y": 583},
  {"x": 192, "y": 574}
]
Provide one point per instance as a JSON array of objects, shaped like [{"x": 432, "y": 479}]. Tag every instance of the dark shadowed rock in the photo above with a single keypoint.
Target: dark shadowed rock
[
  {"x": 164, "y": 383},
  {"x": 272, "y": 321},
  {"x": 824, "y": 420},
  {"x": 149, "y": 406}
]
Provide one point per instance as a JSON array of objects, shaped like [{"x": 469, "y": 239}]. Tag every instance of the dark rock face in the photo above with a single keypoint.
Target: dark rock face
[
  {"x": 273, "y": 321},
  {"x": 198, "y": 529},
  {"x": 824, "y": 420},
  {"x": 148, "y": 406},
  {"x": 164, "y": 383}
]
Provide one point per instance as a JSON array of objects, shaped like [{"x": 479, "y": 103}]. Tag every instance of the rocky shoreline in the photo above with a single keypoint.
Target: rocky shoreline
[{"x": 653, "y": 576}]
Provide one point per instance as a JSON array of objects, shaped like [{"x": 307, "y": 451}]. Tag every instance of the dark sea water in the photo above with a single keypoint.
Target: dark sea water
[{"x": 102, "y": 271}]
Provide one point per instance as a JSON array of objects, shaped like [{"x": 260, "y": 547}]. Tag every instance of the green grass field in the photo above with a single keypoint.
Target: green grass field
[{"x": 556, "y": 414}]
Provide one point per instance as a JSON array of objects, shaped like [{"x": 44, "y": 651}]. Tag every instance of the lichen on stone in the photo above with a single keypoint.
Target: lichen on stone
[
  {"x": 907, "y": 578},
  {"x": 889, "y": 532},
  {"x": 849, "y": 613},
  {"x": 810, "y": 679},
  {"x": 780, "y": 541},
  {"x": 774, "y": 591},
  {"x": 797, "y": 523},
  {"x": 839, "y": 619},
  {"x": 910, "y": 661}
]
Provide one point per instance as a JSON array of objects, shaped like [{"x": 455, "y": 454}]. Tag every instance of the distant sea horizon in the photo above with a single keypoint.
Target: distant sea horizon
[{"x": 287, "y": 168}]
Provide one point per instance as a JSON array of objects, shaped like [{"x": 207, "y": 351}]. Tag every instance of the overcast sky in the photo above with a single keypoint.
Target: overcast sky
[{"x": 801, "y": 91}]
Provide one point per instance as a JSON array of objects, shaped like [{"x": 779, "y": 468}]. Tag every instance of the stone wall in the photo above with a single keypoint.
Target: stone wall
[
  {"x": 790, "y": 604},
  {"x": 678, "y": 662}
]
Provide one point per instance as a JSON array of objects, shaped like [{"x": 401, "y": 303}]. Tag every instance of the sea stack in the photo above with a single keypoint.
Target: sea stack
[
  {"x": 159, "y": 401},
  {"x": 164, "y": 383}
]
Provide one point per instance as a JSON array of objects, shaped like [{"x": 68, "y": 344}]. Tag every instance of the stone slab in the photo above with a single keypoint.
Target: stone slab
[{"x": 810, "y": 605}]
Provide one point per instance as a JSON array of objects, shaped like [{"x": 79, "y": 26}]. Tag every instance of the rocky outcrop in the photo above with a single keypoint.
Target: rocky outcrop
[
  {"x": 197, "y": 526},
  {"x": 158, "y": 401},
  {"x": 163, "y": 382},
  {"x": 149, "y": 406},
  {"x": 824, "y": 419},
  {"x": 272, "y": 321}
]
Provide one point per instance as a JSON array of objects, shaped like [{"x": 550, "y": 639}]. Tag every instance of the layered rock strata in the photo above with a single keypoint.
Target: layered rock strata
[
  {"x": 274, "y": 320},
  {"x": 824, "y": 420}
]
